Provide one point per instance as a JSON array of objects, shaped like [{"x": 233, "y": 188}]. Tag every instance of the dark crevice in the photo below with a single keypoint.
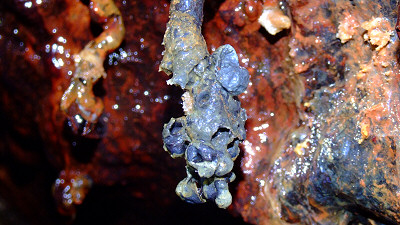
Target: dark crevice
[
  {"x": 98, "y": 88},
  {"x": 272, "y": 39},
  {"x": 220, "y": 131},
  {"x": 210, "y": 9}
]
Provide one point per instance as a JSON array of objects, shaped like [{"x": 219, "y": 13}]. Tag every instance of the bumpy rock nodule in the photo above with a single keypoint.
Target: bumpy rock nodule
[{"x": 209, "y": 134}]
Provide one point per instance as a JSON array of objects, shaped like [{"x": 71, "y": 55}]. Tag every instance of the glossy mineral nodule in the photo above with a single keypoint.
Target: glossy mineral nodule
[{"x": 209, "y": 134}]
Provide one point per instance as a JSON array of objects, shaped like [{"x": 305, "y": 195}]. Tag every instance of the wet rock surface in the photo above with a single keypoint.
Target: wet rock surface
[
  {"x": 209, "y": 134},
  {"x": 133, "y": 179},
  {"x": 334, "y": 160},
  {"x": 322, "y": 107}
]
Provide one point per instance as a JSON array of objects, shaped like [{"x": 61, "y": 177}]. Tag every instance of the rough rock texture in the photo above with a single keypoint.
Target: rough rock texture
[
  {"x": 89, "y": 65},
  {"x": 209, "y": 133},
  {"x": 322, "y": 128},
  {"x": 133, "y": 178},
  {"x": 323, "y": 113}
]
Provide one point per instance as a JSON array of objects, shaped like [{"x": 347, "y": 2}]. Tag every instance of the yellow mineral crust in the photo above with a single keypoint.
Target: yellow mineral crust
[
  {"x": 273, "y": 20},
  {"x": 347, "y": 28},
  {"x": 301, "y": 147},
  {"x": 378, "y": 32},
  {"x": 89, "y": 62}
]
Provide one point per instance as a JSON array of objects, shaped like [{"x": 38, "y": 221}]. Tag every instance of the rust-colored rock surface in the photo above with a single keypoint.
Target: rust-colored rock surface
[
  {"x": 133, "y": 178},
  {"x": 322, "y": 132},
  {"x": 322, "y": 106}
]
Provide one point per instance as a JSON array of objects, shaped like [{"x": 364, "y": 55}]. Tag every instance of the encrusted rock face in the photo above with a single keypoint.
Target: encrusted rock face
[
  {"x": 322, "y": 107},
  {"x": 322, "y": 132},
  {"x": 133, "y": 178},
  {"x": 70, "y": 189},
  {"x": 123, "y": 154},
  {"x": 89, "y": 65}
]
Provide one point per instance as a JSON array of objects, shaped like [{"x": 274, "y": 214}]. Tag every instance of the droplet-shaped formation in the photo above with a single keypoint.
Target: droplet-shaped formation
[{"x": 209, "y": 134}]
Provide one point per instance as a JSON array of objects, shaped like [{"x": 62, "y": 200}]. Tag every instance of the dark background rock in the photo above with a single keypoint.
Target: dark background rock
[{"x": 322, "y": 132}]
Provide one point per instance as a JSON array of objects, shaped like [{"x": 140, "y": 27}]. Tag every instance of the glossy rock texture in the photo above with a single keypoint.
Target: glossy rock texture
[
  {"x": 132, "y": 177},
  {"x": 322, "y": 132},
  {"x": 89, "y": 65},
  {"x": 322, "y": 128},
  {"x": 209, "y": 133}
]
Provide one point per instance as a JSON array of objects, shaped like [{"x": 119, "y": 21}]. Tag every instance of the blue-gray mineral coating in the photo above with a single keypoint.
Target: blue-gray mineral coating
[
  {"x": 208, "y": 136},
  {"x": 228, "y": 72},
  {"x": 193, "y": 8}
]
